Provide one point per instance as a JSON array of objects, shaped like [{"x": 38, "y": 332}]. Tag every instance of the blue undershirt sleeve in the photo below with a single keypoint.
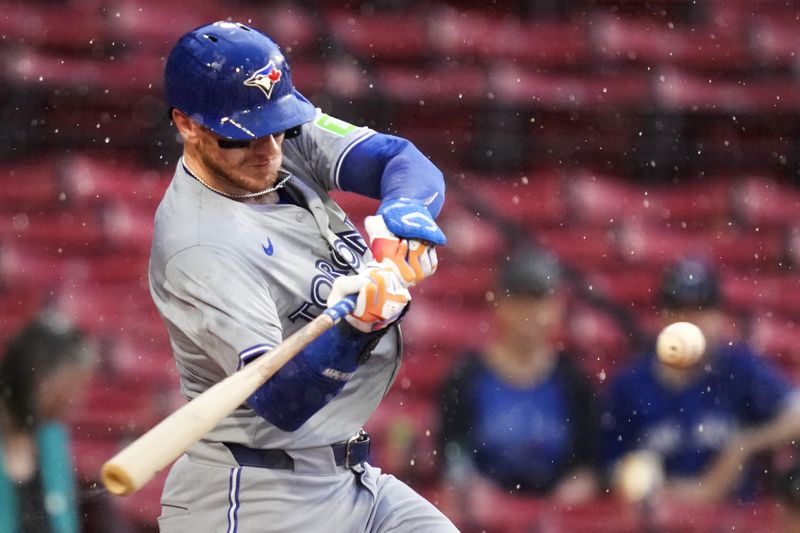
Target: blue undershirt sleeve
[
  {"x": 312, "y": 378},
  {"x": 386, "y": 167}
]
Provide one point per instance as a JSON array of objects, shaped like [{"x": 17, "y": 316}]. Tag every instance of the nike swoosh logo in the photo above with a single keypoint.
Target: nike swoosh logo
[{"x": 268, "y": 249}]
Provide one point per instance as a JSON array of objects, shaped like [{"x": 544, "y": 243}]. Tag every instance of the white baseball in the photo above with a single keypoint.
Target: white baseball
[{"x": 680, "y": 344}]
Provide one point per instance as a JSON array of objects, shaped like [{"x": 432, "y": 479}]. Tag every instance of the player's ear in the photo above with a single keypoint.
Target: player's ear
[{"x": 186, "y": 126}]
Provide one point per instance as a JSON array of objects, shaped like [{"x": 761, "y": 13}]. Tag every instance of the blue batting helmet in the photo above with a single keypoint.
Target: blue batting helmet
[{"x": 233, "y": 80}]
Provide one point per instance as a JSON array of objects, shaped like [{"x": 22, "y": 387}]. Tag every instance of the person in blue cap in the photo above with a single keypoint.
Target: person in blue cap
[
  {"x": 519, "y": 413},
  {"x": 248, "y": 247},
  {"x": 703, "y": 423}
]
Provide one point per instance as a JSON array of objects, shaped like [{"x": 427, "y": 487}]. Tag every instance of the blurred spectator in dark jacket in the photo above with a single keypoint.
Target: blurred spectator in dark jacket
[
  {"x": 42, "y": 373},
  {"x": 705, "y": 422},
  {"x": 520, "y": 412}
]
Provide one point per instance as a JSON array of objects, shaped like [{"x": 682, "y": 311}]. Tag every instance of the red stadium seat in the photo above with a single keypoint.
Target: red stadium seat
[
  {"x": 423, "y": 370},
  {"x": 532, "y": 89},
  {"x": 608, "y": 200},
  {"x": 91, "y": 451},
  {"x": 118, "y": 407},
  {"x": 702, "y": 203},
  {"x": 383, "y": 36},
  {"x": 473, "y": 34},
  {"x": 106, "y": 309},
  {"x": 458, "y": 283},
  {"x": 655, "y": 245},
  {"x": 687, "y": 517},
  {"x": 154, "y": 26},
  {"x": 602, "y": 515},
  {"x": 765, "y": 293},
  {"x": 342, "y": 80},
  {"x": 471, "y": 238},
  {"x": 793, "y": 244},
  {"x": 30, "y": 185},
  {"x": 440, "y": 86},
  {"x": 62, "y": 231},
  {"x": 766, "y": 202},
  {"x": 434, "y": 326},
  {"x": 17, "y": 306},
  {"x": 26, "y": 264},
  {"x": 93, "y": 181},
  {"x": 775, "y": 42},
  {"x": 779, "y": 339},
  {"x": 599, "y": 343},
  {"x": 111, "y": 81},
  {"x": 584, "y": 247},
  {"x": 604, "y": 200},
  {"x": 654, "y": 42},
  {"x": 66, "y": 26},
  {"x": 535, "y": 198},
  {"x": 145, "y": 361},
  {"x": 677, "y": 90},
  {"x": 629, "y": 287}
]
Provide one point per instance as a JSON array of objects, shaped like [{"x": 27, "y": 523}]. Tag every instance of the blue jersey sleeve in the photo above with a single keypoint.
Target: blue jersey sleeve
[
  {"x": 621, "y": 412},
  {"x": 763, "y": 390},
  {"x": 312, "y": 378},
  {"x": 616, "y": 426},
  {"x": 386, "y": 167}
]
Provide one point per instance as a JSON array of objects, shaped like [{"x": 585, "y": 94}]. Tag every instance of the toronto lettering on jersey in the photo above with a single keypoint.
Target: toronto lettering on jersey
[{"x": 345, "y": 257}]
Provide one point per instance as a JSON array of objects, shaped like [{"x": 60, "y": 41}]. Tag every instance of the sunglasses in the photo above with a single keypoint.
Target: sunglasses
[{"x": 228, "y": 144}]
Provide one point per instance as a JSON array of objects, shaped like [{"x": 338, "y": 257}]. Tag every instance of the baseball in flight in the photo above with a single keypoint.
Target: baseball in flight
[{"x": 680, "y": 345}]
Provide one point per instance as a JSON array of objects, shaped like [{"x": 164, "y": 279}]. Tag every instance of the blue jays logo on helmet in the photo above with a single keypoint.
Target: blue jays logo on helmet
[{"x": 265, "y": 78}]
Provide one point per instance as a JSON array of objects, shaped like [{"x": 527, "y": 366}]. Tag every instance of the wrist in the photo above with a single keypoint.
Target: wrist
[{"x": 337, "y": 352}]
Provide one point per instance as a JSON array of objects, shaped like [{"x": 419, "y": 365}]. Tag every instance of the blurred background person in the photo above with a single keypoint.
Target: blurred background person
[
  {"x": 707, "y": 421},
  {"x": 519, "y": 412},
  {"x": 42, "y": 374}
]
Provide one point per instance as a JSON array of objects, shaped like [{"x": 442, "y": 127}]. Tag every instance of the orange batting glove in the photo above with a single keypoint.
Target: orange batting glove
[
  {"x": 411, "y": 259},
  {"x": 381, "y": 297}
]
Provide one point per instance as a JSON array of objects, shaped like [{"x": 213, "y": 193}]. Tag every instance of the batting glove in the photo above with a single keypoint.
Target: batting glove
[
  {"x": 411, "y": 259},
  {"x": 381, "y": 297},
  {"x": 402, "y": 235}
]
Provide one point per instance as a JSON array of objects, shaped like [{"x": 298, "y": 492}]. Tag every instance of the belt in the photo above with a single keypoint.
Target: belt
[{"x": 348, "y": 453}]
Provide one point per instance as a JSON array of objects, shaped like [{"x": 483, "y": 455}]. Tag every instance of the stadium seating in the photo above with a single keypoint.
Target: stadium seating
[
  {"x": 648, "y": 42},
  {"x": 617, "y": 135}
]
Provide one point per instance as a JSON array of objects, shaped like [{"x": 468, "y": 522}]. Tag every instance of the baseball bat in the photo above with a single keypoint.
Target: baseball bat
[{"x": 138, "y": 462}]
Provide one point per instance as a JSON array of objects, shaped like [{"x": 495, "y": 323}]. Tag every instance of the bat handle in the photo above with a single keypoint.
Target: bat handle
[{"x": 342, "y": 308}]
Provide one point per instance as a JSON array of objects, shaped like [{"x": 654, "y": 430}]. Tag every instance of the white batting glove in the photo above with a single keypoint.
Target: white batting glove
[
  {"x": 411, "y": 259},
  {"x": 381, "y": 297}
]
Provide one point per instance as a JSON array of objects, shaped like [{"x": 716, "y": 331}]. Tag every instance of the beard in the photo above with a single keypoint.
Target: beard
[{"x": 258, "y": 179}]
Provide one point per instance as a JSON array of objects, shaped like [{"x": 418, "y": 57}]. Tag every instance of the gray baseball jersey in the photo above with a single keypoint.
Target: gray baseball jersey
[{"x": 232, "y": 280}]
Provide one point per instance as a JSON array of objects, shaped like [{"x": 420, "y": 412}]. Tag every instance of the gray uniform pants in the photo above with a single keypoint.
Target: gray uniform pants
[{"x": 202, "y": 497}]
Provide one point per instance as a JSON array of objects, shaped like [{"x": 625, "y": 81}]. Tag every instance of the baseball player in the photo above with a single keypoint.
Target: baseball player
[{"x": 248, "y": 247}]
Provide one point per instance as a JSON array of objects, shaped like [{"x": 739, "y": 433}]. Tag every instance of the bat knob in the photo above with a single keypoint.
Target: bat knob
[{"x": 116, "y": 479}]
